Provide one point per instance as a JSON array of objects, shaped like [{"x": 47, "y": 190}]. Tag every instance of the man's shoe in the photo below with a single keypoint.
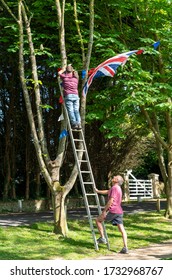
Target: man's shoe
[
  {"x": 124, "y": 250},
  {"x": 74, "y": 127},
  {"x": 101, "y": 240},
  {"x": 79, "y": 127}
]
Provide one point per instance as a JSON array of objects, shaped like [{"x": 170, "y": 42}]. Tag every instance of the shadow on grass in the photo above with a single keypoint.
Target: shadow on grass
[
  {"x": 37, "y": 241},
  {"x": 138, "y": 231},
  {"x": 144, "y": 228},
  {"x": 11, "y": 256},
  {"x": 35, "y": 250}
]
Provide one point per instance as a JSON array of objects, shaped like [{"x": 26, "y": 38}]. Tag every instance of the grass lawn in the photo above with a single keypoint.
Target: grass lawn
[{"x": 37, "y": 242}]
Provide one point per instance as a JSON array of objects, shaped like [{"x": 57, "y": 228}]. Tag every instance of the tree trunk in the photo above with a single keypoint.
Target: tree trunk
[
  {"x": 37, "y": 182},
  {"x": 168, "y": 212},
  {"x": 13, "y": 157},
  {"x": 7, "y": 166},
  {"x": 7, "y": 178},
  {"x": 27, "y": 185},
  {"x": 166, "y": 173},
  {"x": 60, "y": 221},
  {"x": 168, "y": 118}
]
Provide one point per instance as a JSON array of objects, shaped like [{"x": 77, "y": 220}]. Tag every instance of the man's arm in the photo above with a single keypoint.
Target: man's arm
[
  {"x": 62, "y": 70},
  {"x": 101, "y": 191},
  {"x": 109, "y": 203},
  {"x": 75, "y": 73}
]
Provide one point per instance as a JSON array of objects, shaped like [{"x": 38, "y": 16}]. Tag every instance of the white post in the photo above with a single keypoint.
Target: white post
[
  {"x": 155, "y": 183},
  {"x": 20, "y": 205},
  {"x": 126, "y": 194}
]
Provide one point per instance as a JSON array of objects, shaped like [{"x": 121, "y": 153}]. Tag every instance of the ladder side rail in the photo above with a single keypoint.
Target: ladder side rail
[
  {"x": 75, "y": 153},
  {"x": 88, "y": 211},
  {"x": 87, "y": 207},
  {"x": 89, "y": 166},
  {"x": 88, "y": 161},
  {"x": 86, "y": 199},
  {"x": 84, "y": 192},
  {"x": 94, "y": 186},
  {"x": 78, "y": 155}
]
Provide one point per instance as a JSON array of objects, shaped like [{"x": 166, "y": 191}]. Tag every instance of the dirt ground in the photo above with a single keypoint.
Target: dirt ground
[{"x": 153, "y": 252}]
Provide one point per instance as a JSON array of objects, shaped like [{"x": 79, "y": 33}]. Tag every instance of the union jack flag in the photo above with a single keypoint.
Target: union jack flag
[{"x": 108, "y": 67}]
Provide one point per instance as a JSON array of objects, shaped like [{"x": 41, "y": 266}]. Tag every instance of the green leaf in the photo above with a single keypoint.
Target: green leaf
[{"x": 46, "y": 106}]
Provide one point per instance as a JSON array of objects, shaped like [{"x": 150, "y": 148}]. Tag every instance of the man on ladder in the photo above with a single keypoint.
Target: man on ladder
[{"x": 70, "y": 80}]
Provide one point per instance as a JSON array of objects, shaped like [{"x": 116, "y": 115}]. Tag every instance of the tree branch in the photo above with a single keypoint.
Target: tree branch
[
  {"x": 60, "y": 15},
  {"x": 9, "y": 10},
  {"x": 41, "y": 134},
  {"x": 27, "y": 100},
  {"x": 152, "y": 127},
  {"x": 79, "y": 31}
]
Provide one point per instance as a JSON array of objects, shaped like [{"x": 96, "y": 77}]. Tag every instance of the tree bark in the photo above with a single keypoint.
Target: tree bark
[
  {"x": 37, "y": 182},
  {"x": 60, "y": 221},
  {"x": 168, "y": 212},
  {"x": 161, "y": 144}
]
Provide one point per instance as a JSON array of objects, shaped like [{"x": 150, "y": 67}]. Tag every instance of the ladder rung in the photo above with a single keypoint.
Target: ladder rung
[
  {"x": 74, "y": 129},
  {"x": 82, "y": 160},
  {"x": 93, "y": 206},
  {"x": 91, "y": 218},
  {"x": 78, "y": 140},
  {"x": 84, "y": 171},
  {"x": 89, "y": 194},
  {"x": 88, "y": 183},
  {"x": 80, "y": 150}
]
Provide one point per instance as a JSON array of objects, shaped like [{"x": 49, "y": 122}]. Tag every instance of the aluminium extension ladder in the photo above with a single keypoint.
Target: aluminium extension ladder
[
  {"x": 85, "y": 176},
  {"x": 86, "y": 179}
]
